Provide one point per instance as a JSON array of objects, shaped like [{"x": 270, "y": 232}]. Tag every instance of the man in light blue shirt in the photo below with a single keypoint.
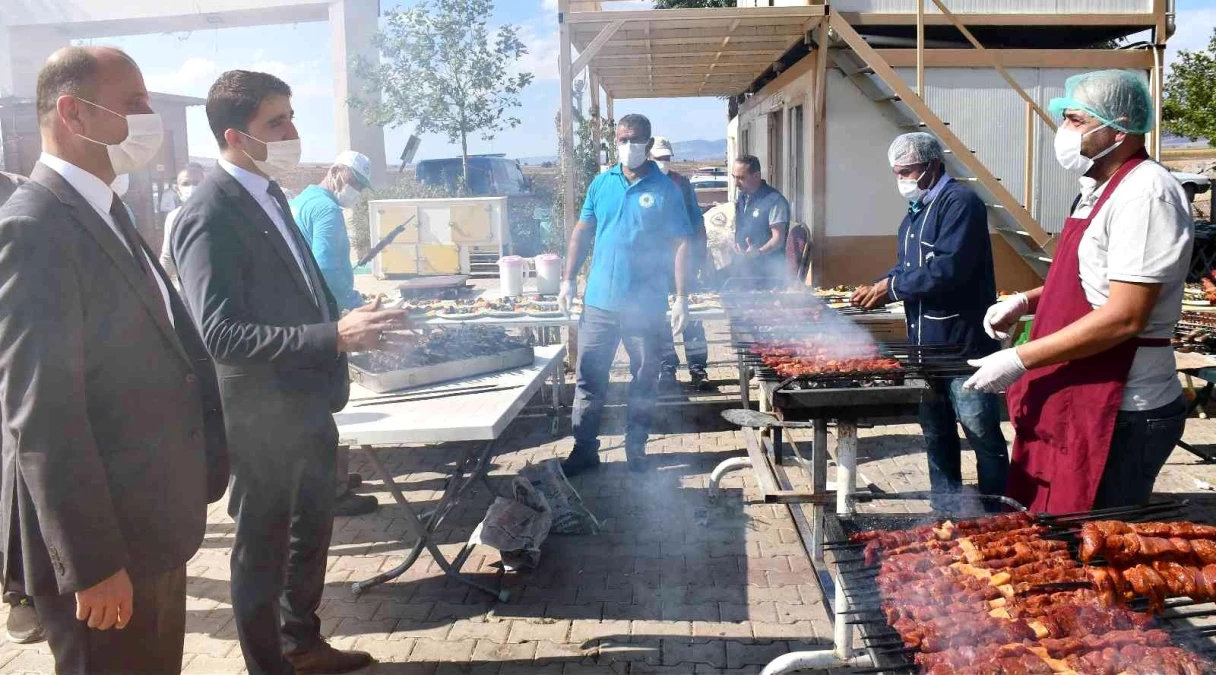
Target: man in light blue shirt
[
  {"x": 636, "y": 217},
  {"x": 318, "y": 212}
]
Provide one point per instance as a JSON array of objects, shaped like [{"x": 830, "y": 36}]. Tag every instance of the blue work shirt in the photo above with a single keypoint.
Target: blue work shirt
[
  {"x": 320, "y": 220},
  {"x": 637, "y": 228},
  {"x": 944, "y": 272}
]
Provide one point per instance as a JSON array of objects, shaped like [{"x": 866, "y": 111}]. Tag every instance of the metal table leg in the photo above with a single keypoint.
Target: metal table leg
[
  {"x": 556, "y": 396},
  {"x": 819, "y": 483},
  {"x": 422, "y": 528},
  {"x": 846, "y": 465},
  {"x": 745, "y": 380}
]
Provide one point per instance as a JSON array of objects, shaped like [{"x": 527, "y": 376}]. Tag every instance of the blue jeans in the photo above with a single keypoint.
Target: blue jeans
[
  {"x": 599, "y": 334},
  {"x": 696, "y": 349},
  {"x": 980, "y": 415},
  {"x": 1139, "y": 448}
]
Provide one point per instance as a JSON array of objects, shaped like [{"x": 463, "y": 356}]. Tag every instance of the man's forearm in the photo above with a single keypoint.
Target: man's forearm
[
  {"x": 683, "y": 266},
  {"x": 1092, "y": 334},
  {"x": 775, "y": 240},
  {"x": 576, "y": 252},
  {"x": 1032, "y": 298}
]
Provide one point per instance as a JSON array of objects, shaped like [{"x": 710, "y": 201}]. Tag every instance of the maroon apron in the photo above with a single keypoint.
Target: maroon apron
[{"x": 1064, "y": 415}]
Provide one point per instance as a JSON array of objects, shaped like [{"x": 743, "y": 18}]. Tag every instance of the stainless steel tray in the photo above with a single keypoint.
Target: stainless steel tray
[{"x": 407, "y": 378}]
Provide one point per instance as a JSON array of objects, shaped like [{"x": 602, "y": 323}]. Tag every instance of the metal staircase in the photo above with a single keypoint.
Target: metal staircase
[{"x": 879, "y": 82}]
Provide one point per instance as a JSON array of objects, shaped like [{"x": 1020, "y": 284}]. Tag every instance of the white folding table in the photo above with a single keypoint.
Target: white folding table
[{"x": 474, "y": 411}]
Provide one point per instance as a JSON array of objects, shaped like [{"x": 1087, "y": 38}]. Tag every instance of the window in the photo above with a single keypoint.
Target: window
[{"x": 797, "y": 163}]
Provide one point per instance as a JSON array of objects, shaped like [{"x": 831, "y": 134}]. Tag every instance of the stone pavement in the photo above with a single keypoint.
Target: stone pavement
[{"x": 676, "y": 583}]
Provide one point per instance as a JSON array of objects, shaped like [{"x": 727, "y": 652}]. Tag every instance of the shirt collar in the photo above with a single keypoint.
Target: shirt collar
[
  {"x": 936, "y": 189},
  {"x": 93, "y": 189},
  {"x": 256, "y": 185},
  {"x": 1089, "y": 192}
]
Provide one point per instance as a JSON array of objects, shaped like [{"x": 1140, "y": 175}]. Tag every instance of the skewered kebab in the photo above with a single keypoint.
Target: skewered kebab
[
  {"x": 1127, "y": 549},
  {"x": 1045, "y": 650},
  {"x": 1161, "y": 580}
]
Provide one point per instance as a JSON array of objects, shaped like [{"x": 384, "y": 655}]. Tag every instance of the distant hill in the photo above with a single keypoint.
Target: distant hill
[{"x": 687, "y": 151}]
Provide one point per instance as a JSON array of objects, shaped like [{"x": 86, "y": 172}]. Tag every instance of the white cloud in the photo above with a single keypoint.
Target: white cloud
[
  {"x": 307, "y": 79},
  {"x": 543, "y": 49},
  {"x": 192, "y": 78}
]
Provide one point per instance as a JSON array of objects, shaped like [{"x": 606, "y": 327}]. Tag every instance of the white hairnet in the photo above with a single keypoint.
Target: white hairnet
[
  {"x": 1118, "y": 98},
  {"x": 914, "y": 148}
]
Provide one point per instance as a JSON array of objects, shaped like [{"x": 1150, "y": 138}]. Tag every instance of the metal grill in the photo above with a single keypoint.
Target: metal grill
[{"x": 884, "y": 644}]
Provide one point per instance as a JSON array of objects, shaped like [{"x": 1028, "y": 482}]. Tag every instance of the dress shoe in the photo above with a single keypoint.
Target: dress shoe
[
  {"x": 353, "y": 481},
  {"x": 580, "y": 462},
  {"x": 700, "y": 380},
  {"x": 636, "y": 457},
  {"x": 322, "y": 658},
  {"x": 351, "y": 504}
]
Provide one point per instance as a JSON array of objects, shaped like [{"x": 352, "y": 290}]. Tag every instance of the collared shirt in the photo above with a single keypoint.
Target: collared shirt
[
  {"x": 258, "y": 187},
  {"x": 1142, "y": 235},
  {"x": 758, "y": 213},
  {"x": 101, "y": 197},
  {"x": 637, "y": 226},
  {"x": 319, "y": 217}
]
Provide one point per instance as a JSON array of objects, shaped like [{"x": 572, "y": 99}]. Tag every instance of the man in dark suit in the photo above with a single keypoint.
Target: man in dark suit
[
  {"x": 113, "y": 439},
  {"x": 273, "y": 328}
]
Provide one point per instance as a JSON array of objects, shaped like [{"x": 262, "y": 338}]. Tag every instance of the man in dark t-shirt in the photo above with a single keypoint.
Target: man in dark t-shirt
[{"x": 762, "y": 219}]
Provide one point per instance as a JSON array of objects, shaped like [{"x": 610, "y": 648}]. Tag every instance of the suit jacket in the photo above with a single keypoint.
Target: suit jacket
[
  {"x": 276, "y": 352},
  {"x": 113, "y": 439}
]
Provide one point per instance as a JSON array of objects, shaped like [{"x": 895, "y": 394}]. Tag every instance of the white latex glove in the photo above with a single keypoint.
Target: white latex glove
[
  {"x": 679, "y": 315},
  {"x": 1001, "y": 316},
  {"x": 565, "y": 297},
  {"x": 996, "y": 371}
]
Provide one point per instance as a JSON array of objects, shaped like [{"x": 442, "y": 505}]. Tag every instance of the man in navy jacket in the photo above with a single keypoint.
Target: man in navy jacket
[{"x": 944, "y": 276}]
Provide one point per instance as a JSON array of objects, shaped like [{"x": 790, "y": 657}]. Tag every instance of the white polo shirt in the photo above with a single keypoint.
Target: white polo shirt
[{"x": 1142, "y": 235}]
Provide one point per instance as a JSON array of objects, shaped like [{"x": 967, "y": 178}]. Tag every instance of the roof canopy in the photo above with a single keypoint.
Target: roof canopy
[{"x": 684, "y": 52}]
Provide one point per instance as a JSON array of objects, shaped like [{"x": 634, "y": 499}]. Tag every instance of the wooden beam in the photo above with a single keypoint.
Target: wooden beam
[
  {"x": 718, "y": 55},
  {"x": 995, "y": 64},
  {"x": 920, "y": 48},
  {"x": 961, "y": 152},
  {"x": 726, "y": 15},
  {"x": 634, "y": 31},
  {"x": 819, "y": 159},
  {"x": 1028, "y": 159},
  {"x": 689, "y": 69},
  {"x": 1022, "y": 58},
  {"x": 773, "y": 42},
  {"x": 632, "y": 59},
  {"x": 980, "y": 19},
  {"x": 585, "y": 56},
  {"x": 566, "y": 77}
]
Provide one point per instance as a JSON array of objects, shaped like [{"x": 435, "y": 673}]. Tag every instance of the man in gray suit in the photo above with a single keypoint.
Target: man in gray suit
[
  {"x": 273, "y": 327},
  {"x": 113, "y": 440}
]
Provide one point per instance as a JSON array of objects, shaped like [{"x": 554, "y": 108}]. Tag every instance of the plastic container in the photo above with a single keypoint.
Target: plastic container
[
  {"x": 511, "y": 275},
  {"x": 548, "y": 274}
]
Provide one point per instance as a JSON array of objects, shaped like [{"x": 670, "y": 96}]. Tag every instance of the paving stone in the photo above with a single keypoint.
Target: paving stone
[
  {"x": 538, "y": 630},
  {"x": 442, "y": 651},
  {"x": 497, "y": 652},
  {"x": 678, "y": 651}
]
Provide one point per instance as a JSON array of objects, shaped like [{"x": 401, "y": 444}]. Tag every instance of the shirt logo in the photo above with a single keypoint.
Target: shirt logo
[
  {"x": 756, "y": 213},
  {"x": 646, "y": 200}
]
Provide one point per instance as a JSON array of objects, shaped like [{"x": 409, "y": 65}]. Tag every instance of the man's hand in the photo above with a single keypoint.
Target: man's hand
[
  {"x": 996, "y": 371},
  {"x": 107, "y": 605},
  {"x": 869, "y": 297},
  {"x": 565, "y": 297},
  {"x": 749, "y": 252},
  {"x": 679, "y": 315},
  {"x": 1004, "y": 314},
  {"x": 360, "y": 330}
]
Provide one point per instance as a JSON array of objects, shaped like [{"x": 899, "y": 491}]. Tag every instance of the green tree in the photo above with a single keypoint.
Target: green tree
[
  {"x": 594, "y": 141},
  {"x": 692, "y": 4},
  {"x": 441, "y": 69},
  {"x": 1189, "y": 109}
]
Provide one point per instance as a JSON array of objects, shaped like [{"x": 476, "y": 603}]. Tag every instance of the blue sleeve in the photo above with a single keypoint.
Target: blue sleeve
[
  {"x": 588, "y": 213},
  {"x": 961, "y": 236},
  {"x": 677, "y": 215},
  {"x": 331, "y": 248}
]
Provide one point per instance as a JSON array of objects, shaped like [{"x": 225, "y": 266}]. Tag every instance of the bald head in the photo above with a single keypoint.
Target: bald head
[{"x": 78, "y": 72}]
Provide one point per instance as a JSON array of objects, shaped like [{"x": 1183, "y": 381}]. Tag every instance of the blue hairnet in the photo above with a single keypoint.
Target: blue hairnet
[
  {"x": 1118, "y": 98},
  {"x": 914, "y": 148}
]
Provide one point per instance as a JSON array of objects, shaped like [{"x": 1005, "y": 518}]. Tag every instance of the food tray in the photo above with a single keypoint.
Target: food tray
[{"x": 407, "y": 378}]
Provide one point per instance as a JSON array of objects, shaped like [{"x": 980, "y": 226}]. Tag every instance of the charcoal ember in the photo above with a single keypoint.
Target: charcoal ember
[{"x": 442, "y": 346}]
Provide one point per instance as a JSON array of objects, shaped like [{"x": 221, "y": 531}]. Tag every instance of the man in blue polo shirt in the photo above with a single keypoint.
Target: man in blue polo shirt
[
  {"x": 636, "y": 217},
  {"x": 762, "y": 219}
]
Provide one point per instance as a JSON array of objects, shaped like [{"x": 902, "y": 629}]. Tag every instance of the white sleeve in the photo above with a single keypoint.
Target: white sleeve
[{"x": 1148, "y": 237}]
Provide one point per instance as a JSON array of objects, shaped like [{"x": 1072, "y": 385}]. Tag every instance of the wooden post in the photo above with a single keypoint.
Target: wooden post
[
  {"x": 920, "y": 48},
  {"x": 610, "y": 115},
  {"x": 818, "y": 163},
  {"x": 1028, "y": 190},
  {"x": 566, "y": 75}
]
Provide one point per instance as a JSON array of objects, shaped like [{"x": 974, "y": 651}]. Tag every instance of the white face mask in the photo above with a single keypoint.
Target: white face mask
[
  {"x": 282, "y": 157},
  {"x": 144, "y": 135},
  {"x": 633, "y": 155},
  {"x": 910, "y": 189},
  {"x": 348, "y": 198},
  {"x": 184, "y": 191},
  {"x": 122, "y": 183},
  {"x": 662, "y": 166},
  {"x": 1068, "y": 149}
]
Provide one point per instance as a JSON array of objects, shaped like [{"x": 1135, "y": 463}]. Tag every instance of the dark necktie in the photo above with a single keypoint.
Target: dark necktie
[
  {"x": 123, "y": 221},
  {"x": 300, "y": 247}
]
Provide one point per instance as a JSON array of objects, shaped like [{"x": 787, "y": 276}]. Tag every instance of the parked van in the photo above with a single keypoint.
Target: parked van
[{"x": 489, "y": 175}]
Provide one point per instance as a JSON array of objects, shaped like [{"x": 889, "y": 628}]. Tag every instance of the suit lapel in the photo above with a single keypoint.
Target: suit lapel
[
  {"x": 260, "y": 225},
  {"x": 84, "y": 214}
]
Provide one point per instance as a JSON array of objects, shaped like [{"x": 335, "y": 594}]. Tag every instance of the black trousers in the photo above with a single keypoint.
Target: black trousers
[
  {"x": 151, "y": 643},
  {"x": 283, "y": 505}
]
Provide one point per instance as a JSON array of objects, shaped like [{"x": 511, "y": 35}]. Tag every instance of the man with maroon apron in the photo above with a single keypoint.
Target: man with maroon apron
[{"x": 1093, "y": 396}]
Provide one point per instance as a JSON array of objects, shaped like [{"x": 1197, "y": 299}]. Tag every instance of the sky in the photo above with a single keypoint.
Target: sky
[{"x": 187, "y": 63}]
